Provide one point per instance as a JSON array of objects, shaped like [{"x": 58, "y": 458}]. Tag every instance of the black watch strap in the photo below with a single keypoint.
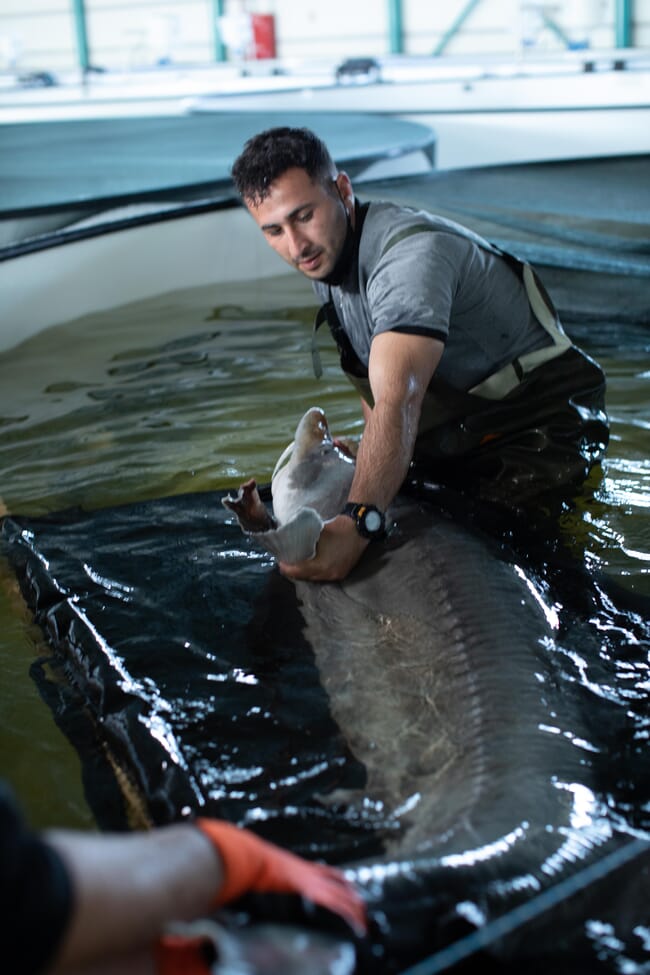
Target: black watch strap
[{"x": 369, "y": 520}]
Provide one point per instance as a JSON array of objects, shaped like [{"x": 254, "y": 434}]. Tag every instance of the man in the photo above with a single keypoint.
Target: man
[
  {"x": 100, "y": 904},
  {"x": 465, "y": 373}
]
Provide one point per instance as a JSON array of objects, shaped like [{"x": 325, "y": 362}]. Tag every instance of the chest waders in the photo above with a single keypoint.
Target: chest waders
[{"x": 537, "y": 423}]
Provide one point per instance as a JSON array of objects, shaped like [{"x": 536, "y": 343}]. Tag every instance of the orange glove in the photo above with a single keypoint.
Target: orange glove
[
  {"x": 174, "y": 955},
  {"x": 252, "y": 864}
]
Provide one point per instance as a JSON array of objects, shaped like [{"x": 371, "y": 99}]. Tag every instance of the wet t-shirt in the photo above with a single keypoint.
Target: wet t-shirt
[{"x": 423, "y": 274}]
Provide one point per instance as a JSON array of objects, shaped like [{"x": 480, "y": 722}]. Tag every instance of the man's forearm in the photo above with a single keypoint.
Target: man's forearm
[
  {"x": 400, "y": 369},
  {"x": 385, "y": 452},
  {"x": 127, "y": 887}
]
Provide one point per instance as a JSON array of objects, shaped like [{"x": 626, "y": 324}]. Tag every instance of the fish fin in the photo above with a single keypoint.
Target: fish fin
[
  {"x": 294, "y": 541},
  {"x": 252, "y": 514}
]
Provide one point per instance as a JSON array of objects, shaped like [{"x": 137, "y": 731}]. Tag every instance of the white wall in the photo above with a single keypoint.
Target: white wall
[
  {"x": 41, "y": 35},
  {"x": 334, "y": 29},
  {"x": 37, "y": 34},
  {"x": 505, "y": 25},
  {"x": 128, "y": 34}
]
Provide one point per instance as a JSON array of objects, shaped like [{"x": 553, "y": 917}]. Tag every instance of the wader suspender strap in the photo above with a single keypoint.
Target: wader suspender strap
[
  {"x": 321, "y": 316},
  {"x": 500, "y": 383},
  {"x": 539, "y": 298},
  {"x": 350, "y": 362}
]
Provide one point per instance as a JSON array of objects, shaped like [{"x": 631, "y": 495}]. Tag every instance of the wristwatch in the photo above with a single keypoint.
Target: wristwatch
[{"x": 369, "y": 520}]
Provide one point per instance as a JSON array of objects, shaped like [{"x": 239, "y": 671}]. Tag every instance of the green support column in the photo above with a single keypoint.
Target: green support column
[
  {"x": 219, "y": 47},
  {"x": 79, "y": 11},
  {"x": 623, "y": 23},
  {"x": 456, "y": 26},
  {"x": 395, "y": 27}
]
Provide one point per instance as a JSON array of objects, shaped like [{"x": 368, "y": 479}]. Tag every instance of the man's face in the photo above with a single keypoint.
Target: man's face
[{"x": 306, "y": 222}]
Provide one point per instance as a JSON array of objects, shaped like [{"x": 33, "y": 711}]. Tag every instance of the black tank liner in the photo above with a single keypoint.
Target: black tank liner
[{"x": 185, "y": 650}]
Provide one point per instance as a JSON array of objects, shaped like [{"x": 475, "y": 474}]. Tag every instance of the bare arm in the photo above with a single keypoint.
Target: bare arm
[
  {"x": 127, "y": 887},
  {"x": 400, "y": 369}
]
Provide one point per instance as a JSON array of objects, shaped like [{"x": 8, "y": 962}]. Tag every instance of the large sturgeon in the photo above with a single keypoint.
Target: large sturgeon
[{"x": 439, "y": 656}]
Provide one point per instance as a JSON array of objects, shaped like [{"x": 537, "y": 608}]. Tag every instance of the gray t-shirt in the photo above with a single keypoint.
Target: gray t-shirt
[{"x": 442, "y": 283}]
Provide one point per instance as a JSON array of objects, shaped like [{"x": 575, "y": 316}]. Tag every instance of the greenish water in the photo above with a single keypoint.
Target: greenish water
[{"x": 199, "y": 390}]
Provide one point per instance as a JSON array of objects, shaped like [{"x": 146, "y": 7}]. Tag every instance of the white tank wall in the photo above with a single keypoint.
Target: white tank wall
[
  {"x": 58, "y": 284},
  {"x": 122, "y": 34}
]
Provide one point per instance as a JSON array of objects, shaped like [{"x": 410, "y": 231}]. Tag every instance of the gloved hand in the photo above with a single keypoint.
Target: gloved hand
[{"x": 251, "y": 864}]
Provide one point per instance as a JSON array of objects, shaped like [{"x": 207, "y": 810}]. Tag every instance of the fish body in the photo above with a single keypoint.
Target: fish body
[{"x": 439, "y": 654}]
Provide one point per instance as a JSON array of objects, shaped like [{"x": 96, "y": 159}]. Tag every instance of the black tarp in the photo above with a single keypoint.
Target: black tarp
[{"x": 185, "y": 650}]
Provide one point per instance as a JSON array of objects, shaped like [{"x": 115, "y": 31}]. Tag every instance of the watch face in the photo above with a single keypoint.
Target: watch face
[{"x": 372, "y": 521}]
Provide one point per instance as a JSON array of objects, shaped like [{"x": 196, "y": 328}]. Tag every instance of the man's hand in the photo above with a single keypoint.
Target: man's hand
[{"x": 339, "y": 549}]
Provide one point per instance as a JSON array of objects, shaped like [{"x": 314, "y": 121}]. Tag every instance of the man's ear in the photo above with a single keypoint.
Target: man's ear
[{"x": 346, "y": 192}]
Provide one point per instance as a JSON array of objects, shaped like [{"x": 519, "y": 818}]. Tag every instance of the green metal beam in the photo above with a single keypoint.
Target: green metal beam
[
  {"x": 83, "y": 54},
  {"x": 623, "y": 23},
  {"x": 218, "y": 7},
  {"x": 395, "y": 27},
  {"x": 555, "y": 28},
  {"x": 451, "y": 32}
]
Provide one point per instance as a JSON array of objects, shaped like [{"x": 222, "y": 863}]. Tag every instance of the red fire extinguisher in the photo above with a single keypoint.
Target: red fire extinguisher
[{"x": 263, "y": 36}]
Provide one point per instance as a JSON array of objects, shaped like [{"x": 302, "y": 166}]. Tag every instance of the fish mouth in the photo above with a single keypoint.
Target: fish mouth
[
  {"x": 343, "y": 447},
  {"x": 312, "y": 429}
]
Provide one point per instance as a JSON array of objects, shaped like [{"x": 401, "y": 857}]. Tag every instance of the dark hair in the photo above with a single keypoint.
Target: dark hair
[{"x": 268, "y": 155}]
